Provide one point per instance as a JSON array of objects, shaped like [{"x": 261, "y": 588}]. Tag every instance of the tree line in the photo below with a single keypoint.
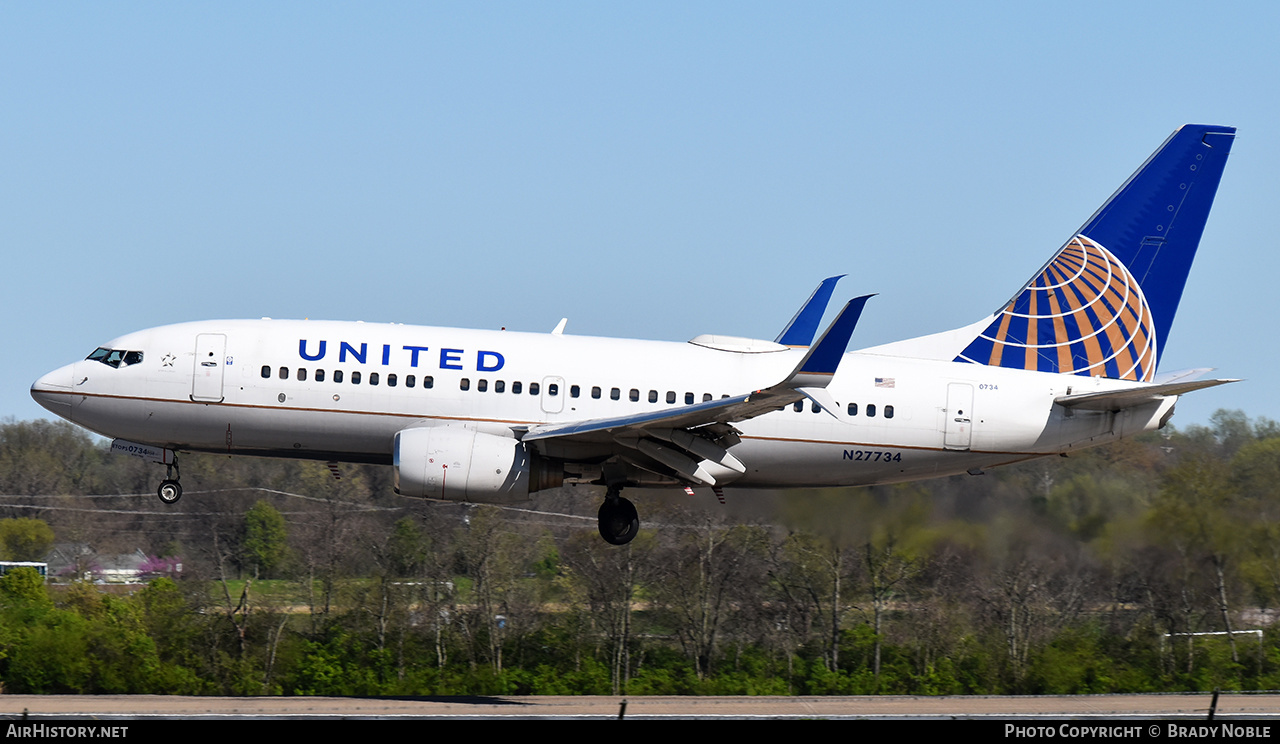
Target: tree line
[{"x": 1101, "y": 572}]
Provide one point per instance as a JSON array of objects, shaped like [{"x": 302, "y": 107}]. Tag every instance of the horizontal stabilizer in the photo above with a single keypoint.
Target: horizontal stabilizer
[
  {"x": 1181, "y": 375},
  {"x": 1117, "y": 400}
]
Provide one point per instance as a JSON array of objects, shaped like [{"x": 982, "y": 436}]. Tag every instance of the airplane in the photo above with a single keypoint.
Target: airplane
[{"x": 1070, "y": 361}]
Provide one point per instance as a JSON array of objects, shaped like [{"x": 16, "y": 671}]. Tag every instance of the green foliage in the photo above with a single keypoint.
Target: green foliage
[
  {"x": 265, "y": 539},
  {"x": 50, "y": 653},
  {"x": 1060, "y": 576},
  {"x": 408, "y": 548},
  {"x": 23, "y": 584},
  {"x": 24, "y": 539}
]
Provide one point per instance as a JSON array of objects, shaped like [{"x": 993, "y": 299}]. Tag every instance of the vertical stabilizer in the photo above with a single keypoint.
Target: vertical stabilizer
[{"x": 1103, "y": 305}]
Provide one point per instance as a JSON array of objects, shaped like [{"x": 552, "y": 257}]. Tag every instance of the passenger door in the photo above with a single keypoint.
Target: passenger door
[
  {"x": 958, "y": 426},
  {"x": 206, "y": 380}
]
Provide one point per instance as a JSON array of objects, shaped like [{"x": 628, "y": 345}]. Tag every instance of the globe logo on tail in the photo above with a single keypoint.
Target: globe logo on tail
[{"x": 1083, "y": 314}]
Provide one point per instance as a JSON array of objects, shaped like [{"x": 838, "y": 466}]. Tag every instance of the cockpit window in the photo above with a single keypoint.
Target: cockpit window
[{"x": 115, "y": 357}]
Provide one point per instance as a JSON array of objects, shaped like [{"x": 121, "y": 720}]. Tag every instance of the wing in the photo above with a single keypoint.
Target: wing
[{"x": 704, "y": 431}]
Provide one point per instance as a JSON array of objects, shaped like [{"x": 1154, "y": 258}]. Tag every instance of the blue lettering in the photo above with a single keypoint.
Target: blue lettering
[
  {"x": 848, "y": 454},
  {"x": 360, "y": 356},
  {"x": 486, "y": 361},
  {"x": 497, "y": 365},
  {"x": 413, "y": 359},
  {"x": 302, "y": 350}
]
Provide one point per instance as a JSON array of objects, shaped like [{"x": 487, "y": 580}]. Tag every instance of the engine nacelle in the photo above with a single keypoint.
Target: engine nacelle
[{"x": 456, "y": 463}]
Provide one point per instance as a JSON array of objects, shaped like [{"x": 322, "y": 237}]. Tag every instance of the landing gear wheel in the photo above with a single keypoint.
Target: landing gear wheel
[
  {"x": 619, "y": 521},
  {"x": 170, "y": 491}
]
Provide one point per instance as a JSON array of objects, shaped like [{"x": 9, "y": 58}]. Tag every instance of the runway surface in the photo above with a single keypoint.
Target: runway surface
[{"x": 124, "y": 707}]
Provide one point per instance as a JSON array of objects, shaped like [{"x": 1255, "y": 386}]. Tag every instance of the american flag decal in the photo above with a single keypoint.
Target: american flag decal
[{"x": 885, "y": 382}]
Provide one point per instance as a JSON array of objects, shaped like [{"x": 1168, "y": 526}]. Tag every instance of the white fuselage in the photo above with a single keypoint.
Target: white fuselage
[{"x": 251, "y": 387}]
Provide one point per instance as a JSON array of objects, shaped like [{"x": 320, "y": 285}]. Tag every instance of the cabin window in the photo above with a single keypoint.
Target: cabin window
[
  {"x": 465, "y": 384},
  {"x": 888, "y": 411},
  {"x": 853, "y": 409},
  {"x": 391, "y": 380},
  {"x": 534, "y": 388},
  {"x": 410, "y": 380},
  {"x": 815, "y": 408},
  {"x": 706, "y": 397},
  {"x": 284, "y": 373},
  {"x": 355, "y": 378},
  {"x": 615, "y": 394},
  {"x": 553, "y": 389},
  {"x": 499, "y": 386},
  {"x": 428, "y": 381},
  {"x": 319, "y": 375},
  {"x": 337, "y": 375},
  {"x": 595, "y": 392},
  {"x": 871, "y": 410},
  {"x": 373, "y": 378},
  {"x": 302, "y": 374},
  {"x": 671, "y": 396},
  {"x": 266, "y": 371},
  {"x": 482, "y": 386},
  {"x": 516, "y": 387},
  {"x": 653, "y": 396},
  {"x": 574, "y": 391},
  {"x": 798, "y": 406},
  {"x": 688, "y": 399}
]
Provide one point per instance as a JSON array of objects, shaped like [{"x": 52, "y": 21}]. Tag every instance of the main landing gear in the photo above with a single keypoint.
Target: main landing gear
[
  {"x": 619, "y": 521},
  {"x": 170, "y": 489}
]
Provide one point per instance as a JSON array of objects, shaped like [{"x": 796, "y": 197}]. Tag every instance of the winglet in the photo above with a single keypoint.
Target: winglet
[
  {"x": 824, "y": 357},
  {"x": 801, "y": 329}
]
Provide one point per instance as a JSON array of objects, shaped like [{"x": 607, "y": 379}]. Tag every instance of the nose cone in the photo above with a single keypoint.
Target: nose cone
[{"x": 53, "y": 391}]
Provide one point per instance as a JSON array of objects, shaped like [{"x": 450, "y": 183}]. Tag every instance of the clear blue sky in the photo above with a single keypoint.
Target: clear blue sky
[{"x": 656, "y": 170}]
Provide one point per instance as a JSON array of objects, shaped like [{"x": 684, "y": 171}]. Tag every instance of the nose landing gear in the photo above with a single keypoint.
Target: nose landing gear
[
  {"x": 619, "y": 522},
  {"x": 170, "y": 490}
]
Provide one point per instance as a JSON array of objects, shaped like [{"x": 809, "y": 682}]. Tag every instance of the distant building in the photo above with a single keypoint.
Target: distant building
[
  {"x": 120, "y": 569},
  {"x": 70, "y": 561},
  {"x": 41, "y": 567},
  {"x": 79, "y": 562}
]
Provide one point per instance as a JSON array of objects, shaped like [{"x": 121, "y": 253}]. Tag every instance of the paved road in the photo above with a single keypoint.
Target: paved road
[{"x": 888, "y": 707}]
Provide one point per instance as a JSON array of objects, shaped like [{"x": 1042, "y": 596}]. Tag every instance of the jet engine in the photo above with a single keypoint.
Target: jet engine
[{"x": 456, "y": 463}]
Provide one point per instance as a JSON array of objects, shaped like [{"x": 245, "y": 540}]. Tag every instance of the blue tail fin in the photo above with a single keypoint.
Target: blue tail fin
[
  {"x": 800, "y": 331},
  {"x": 1104, "y": 304}
]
